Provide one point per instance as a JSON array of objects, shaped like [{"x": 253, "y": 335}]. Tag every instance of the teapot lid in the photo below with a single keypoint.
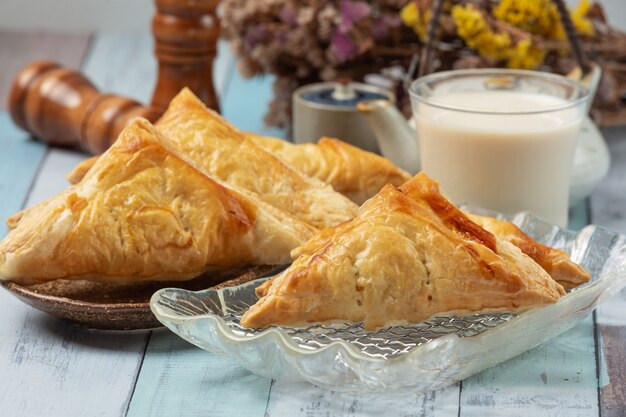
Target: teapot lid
[{"x": 343, "y": 94}]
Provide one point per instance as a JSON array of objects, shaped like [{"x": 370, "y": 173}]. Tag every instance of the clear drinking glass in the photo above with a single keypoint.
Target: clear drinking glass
[{"x": 500, "y": 139}]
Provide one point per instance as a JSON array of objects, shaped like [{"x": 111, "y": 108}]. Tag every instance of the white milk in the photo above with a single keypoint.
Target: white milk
[{"x": 507, "y": 163}]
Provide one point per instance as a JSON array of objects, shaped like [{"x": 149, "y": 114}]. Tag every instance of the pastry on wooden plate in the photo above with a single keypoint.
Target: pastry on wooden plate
[
  {"x": 140, "y": 214},
  {"x": 402, "y": 259},
  {"x": 223, "y": 152},
  {"x": 356, "y": 173},
  {"x": 351, "y": 171}
]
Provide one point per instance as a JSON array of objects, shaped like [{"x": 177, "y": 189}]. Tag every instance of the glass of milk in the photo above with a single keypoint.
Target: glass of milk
[{"x": 500, "y": 139}]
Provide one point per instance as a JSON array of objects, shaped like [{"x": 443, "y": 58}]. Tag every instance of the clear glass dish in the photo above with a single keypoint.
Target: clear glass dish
[{"x": 423, "y": 356}]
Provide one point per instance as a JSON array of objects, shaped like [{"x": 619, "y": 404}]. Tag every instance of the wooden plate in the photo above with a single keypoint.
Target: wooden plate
[{"x": 105, "y": 306}]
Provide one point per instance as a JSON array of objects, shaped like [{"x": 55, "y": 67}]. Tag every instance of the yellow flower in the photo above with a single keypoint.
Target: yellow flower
[
  {"x": 417, "y": 21},
  {"x": 474, "y": 29},
  {"x": 525, "y": 56},
  {"x": 541, "y": 17},
  {"x": 582, "y": 24}
]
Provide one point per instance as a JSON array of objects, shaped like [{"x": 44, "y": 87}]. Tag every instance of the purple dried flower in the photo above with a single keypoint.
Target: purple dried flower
[
  {"x": 343, "y": 46},
  {"x": 382, "y": 24},
  {"x": 256, "y": 35},
  {"x": 352, "y": 12},
  {"x": 282, "y": 36},
  {"x": 289, "y": 15}
]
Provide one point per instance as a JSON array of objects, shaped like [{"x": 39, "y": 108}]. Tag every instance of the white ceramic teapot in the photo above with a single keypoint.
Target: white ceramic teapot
[{"x": 396, "y": 137}]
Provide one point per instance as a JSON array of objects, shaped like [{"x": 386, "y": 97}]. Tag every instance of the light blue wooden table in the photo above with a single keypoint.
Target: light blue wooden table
[{"x": 49, "y": 367}]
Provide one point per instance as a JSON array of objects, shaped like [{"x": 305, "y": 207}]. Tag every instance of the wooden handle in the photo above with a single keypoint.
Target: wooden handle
[
  {"x": 185, "y": 33},
  {"x": 62, "y": 107}
]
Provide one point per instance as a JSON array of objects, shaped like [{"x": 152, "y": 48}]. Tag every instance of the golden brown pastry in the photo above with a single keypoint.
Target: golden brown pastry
[
  {"x": 408, "y": 255},
  {"x": 221, "y": 151},
  {"x": 142, "y": 213},
  {"x": 351, "y": 171},
  {"x": 556, "y": 263},
  {"x": 355, "y": 173},
  {"x": 80, "y": 170}
]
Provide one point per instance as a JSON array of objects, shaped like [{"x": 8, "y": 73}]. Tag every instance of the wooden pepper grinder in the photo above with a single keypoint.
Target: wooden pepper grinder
[
  {"x": 62, "y": 107},
  {"x": 185, "y": 33}
]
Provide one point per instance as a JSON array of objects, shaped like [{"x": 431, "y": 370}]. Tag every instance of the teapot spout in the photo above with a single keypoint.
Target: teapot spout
[{"x": 397, "y": 141}]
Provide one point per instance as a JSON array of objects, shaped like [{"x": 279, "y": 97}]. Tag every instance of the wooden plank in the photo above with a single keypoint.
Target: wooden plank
[
  {"x": 51, "y": 178},
  {"x": 50, "y": 368},
  {"x": 557, "y": 378},
  {"x": 612, "y": 341},
  {"x": 290, "y": 399},
  {"x": 19, "y": 161},
  {"x": 122, "y": 64},
  {"x": 554, "y": 379},
  {"x": 177, "y": 378},
  {"x": 18, "y": 49},
  {"x": 608, "y": 208}
]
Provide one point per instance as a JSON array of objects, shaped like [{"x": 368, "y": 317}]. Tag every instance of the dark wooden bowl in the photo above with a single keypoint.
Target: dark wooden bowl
[{"x": 103, "y": 306}]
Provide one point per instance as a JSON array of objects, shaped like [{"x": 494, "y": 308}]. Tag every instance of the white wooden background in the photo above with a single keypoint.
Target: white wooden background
[{"x": 49, "y": 367}]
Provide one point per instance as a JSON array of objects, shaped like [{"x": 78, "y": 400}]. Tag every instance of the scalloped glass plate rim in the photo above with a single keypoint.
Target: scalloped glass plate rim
[
  {"x": 288, "y": 343},
  {"x": 290, "y": 346}
]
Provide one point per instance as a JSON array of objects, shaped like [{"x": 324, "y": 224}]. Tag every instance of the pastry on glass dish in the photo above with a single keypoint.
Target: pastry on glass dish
[
  {"x": 142, "y": 213},
  {"x": 221, "y": 151},
  {"x": 355, "y": 173},
  {"x": 408, "y": 255},
  {"x": 556, "y": 262}
]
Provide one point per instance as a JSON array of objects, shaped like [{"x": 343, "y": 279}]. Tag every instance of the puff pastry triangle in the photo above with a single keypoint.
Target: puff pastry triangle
[
  {"x": 351, "y": 171},
  {"x": 355, "y": 173},
  {"x": 142, "y": 213},
  {"x": 221, "y": 151},
  {"x": 555, "y": 262},
  {"x": 402, "y": 259}
]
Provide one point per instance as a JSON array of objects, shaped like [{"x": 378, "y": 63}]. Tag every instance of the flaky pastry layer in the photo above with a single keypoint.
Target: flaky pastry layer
[
  {"x": 408, "y": 255},
  {"x": 221, "y": 151},
  {"x": 143, "y": 213},
  {"x": 356, "y": 173}
]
